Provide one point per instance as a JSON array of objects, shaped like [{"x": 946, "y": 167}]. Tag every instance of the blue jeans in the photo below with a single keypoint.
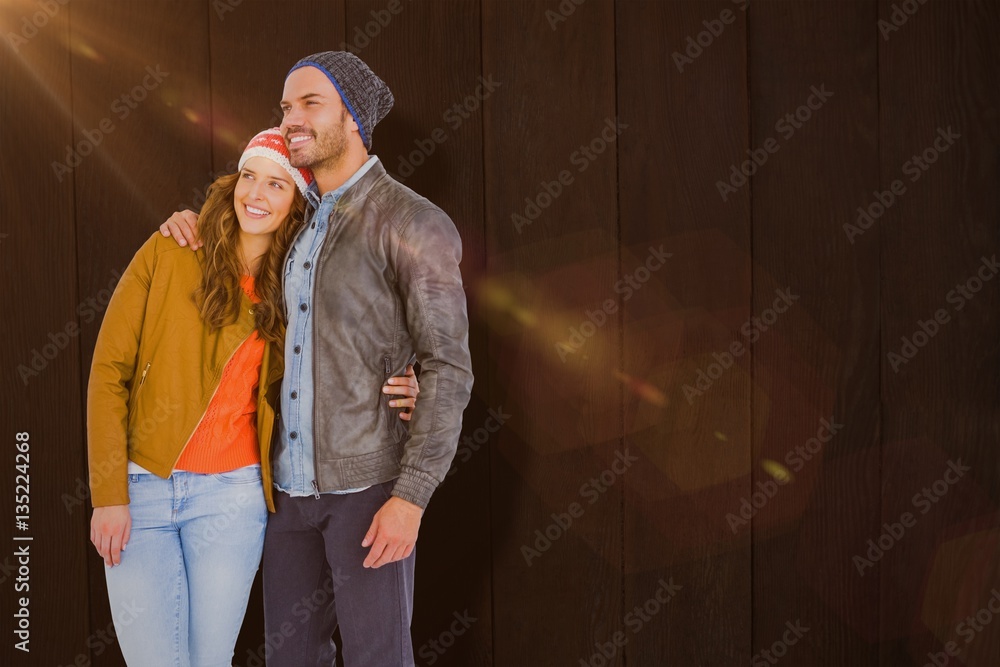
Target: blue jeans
[{"x": 179, "y": 595}]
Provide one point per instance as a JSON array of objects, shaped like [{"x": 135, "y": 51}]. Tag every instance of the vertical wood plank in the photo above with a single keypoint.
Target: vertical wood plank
[
  {"x": 688, "y": 116},
  {"x": 940, "y": 325},
  {"x": 552, "y": 247},
  {"x": 41, "y": 350},
  {"x": 813, "y": 88},
  {"x": 140, "y": 75}
]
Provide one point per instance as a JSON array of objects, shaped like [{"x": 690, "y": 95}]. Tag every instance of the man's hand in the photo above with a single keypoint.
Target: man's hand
[
  {"x": 393, "y": 532},
  {"x": 110, "y": 529},
  {"x": 183, "y": 226},
  {"x": 403, "y": 386}
]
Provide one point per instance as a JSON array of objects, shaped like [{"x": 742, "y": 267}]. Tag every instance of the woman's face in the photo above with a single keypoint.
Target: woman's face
[{"x": 263, "y": 197}]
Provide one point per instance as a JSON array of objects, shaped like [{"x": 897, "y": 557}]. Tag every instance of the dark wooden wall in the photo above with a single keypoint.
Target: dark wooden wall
[{"x": 646, "y": 391}]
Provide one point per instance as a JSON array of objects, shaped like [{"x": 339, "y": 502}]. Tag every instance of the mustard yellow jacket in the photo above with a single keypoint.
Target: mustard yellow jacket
[{"x": 157, "y": 366}]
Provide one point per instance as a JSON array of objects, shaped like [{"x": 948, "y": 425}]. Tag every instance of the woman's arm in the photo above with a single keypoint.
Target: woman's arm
[{"x": 111, "y": 374}]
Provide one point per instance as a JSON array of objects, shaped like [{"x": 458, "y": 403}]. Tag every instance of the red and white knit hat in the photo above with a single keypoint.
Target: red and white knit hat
[{"x": 271, "y": 145}]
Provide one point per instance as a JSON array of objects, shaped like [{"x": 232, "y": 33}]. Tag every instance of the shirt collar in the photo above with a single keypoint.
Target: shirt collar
[{"x": 313, "y": 196}]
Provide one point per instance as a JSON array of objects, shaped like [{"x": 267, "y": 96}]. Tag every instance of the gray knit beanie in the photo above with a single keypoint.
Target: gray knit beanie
[{"x": 364, "y": 94}]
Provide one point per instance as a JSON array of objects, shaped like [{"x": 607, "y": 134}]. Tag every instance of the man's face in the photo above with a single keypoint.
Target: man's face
[{"x": 316, "y": 123}]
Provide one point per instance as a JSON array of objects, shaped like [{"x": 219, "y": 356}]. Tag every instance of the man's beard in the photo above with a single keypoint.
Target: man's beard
[{"x": 328, "y": 150}]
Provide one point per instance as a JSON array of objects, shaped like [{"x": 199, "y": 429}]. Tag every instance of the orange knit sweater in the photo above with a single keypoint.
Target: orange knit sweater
[{"x": 226, "y": 437}]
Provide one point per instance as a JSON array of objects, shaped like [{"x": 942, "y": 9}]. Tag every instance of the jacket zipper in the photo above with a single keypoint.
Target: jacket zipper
[
  {"x": 386, "y": 410},
  {"x": 319, "y": 265},
  {"x": 218, "y": 382},
  {"x": 133, "y": 401}
]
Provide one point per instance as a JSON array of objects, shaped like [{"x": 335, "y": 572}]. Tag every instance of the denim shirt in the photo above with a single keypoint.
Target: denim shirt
[{"x": 294, "y": 466}]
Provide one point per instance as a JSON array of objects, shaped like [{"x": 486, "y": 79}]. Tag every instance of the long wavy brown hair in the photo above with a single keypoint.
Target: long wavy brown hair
[{"x": 218, "y": 297}]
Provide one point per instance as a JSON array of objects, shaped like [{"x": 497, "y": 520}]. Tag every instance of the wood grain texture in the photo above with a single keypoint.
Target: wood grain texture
[
  {"x": 939, "y": 133},
  {"x": 818, "y": 364},
  {"x": 552, "y": 606},
  {"x": 140, "y": 69},
  {"x": 596, "y": 144},
  {"x": 41, "y": 346},
  {"x": 688, "y": 121},
  {"x": 248, "y": 72}
]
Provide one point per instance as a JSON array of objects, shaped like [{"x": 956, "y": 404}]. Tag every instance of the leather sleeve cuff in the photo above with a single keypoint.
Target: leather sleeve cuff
[{"x": 415, "y": 487}]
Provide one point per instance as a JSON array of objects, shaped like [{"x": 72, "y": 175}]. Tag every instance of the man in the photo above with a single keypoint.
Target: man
[{"x": 372, "y": 283}]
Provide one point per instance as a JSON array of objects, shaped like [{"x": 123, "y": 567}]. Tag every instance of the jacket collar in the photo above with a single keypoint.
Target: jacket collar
[
  {"x": 359, "y": 191},
  {"x": 356, "y": 192}
]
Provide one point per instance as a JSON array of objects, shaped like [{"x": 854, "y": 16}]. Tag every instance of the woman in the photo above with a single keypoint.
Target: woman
[{"x": 181, "y": 407}]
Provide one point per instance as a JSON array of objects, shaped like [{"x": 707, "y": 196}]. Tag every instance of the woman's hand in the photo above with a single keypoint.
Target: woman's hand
[
  {"x": 183, "y": 226},
  {"x": 406, "y": 386},
  {"x": 110, "y": 529}
]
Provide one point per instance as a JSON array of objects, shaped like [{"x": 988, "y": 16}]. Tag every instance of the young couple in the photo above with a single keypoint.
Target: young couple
[{"x": 262, "y": 372}]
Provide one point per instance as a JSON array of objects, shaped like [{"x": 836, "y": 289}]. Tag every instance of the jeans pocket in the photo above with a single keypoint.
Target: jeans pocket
[{"x": 245, "y": 475}]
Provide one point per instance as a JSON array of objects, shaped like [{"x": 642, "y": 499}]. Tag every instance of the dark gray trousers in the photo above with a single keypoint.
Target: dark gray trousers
[{"x": 314, "y": 581}]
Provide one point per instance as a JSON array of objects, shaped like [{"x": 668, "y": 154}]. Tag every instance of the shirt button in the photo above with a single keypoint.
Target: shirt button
[
  {"x": 307, "y": 266},
  {"x": 314, "y": 225},
  {"x": 303, "y": 308},
  {"x": 297, "y": 349},
  {"x": 293, "y": 435},
  {"x": 295, "y": 395}
]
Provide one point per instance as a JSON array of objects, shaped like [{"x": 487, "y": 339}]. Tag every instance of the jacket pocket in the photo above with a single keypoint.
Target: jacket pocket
[
  {"x": 388, "y": 412},
  {"x": 142, "y": 381}
]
